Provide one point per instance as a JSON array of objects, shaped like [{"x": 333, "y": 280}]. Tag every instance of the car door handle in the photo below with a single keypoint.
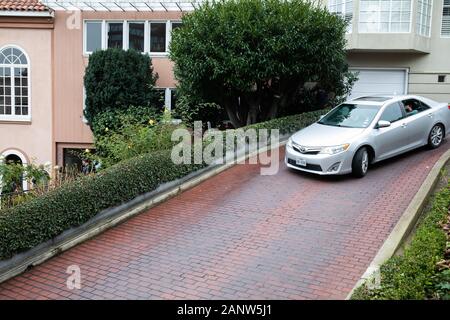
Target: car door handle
[
  {"x": 404, "y": 125},
  {"x": 430, "y": 115}
]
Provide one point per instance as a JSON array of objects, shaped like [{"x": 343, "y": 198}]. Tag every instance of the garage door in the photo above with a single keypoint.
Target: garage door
[{"x": 379, "y": 81}]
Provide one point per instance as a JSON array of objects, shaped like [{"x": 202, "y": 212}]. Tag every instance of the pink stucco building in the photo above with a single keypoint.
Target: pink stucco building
[{"x": 44, "y": 49}]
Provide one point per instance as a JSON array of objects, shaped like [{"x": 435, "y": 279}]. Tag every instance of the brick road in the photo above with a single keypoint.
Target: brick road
[{"x": 240, "y": 235}]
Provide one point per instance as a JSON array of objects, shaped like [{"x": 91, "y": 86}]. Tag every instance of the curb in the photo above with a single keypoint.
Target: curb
[
  {"x": 116, "y": 215},
  {"x": 405, "y": 224}
]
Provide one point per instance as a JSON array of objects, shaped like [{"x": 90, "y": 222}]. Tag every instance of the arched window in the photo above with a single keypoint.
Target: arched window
[{"x": 14, "y": 84}]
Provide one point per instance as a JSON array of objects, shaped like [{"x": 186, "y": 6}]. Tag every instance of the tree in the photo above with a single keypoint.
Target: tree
[
  {"x": 258, "y": 59},
  {"x": 117, "y": 79}
]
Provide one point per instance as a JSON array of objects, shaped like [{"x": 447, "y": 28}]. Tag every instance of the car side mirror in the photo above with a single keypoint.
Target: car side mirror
[{"x": 383, "y": 124}]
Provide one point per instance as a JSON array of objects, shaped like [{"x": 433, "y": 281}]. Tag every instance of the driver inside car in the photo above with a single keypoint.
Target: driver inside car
[{"x": 409, "y": 109}]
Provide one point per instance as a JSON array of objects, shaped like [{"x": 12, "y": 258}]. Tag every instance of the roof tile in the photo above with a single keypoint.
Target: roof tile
[{"x": 22, "y": 5}]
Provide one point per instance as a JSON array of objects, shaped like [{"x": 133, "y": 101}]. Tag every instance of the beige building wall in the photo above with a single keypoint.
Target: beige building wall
[
  {"x": 424, "y": 57},
  {"x": 33, "y": 138}
]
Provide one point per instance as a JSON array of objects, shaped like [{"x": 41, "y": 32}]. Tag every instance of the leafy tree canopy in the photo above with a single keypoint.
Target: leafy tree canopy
[{"x": 258, "y": 59}]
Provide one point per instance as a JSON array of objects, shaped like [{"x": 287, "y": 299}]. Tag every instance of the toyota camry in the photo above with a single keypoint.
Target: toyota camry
[{"x": 360, "y": 132}]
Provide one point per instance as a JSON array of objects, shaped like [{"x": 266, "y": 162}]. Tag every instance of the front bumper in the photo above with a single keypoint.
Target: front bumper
[{"x": 323, "y": 164}]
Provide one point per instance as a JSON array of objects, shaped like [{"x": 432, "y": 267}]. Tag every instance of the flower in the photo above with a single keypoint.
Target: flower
[
  {"x": 151, "y": 122},
  {"x": 106, "y": 129},
  {"x": 87, "y": 151}
]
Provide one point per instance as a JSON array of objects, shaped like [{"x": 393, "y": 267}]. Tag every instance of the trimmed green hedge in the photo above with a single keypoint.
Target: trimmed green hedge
[
  {"x": 290, "y": 124},
  {"x": 29, "y": 224},
  {"x": 410, "y": 276},
  {"x": 40, "y": 219}
]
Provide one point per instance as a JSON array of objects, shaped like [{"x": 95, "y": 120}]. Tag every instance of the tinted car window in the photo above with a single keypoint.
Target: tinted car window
[
  {"x": 424, "y": 106},
  {"x": 413, "y": 106},
  {"x": 392, "y": 113},
  {"x": 350, "y": 116}
]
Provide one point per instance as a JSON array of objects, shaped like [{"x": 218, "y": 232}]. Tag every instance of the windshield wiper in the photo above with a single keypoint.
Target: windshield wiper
[
  {"x": 334, "y": 125},
  {"x": 330, "y": 124}
]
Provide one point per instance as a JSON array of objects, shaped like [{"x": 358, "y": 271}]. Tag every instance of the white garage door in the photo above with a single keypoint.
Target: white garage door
[{"x": 378, "y": 81}]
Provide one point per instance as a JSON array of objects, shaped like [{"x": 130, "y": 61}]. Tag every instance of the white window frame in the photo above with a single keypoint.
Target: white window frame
[
  {"x": 83, "y": 117},
  {"x": 390, "y": 21},
  {"x": 127, "y": 42},
  {"x": 442, "y": 21},
  {"x": 125, "y": 37},
  {"x": 167, "y": 96},
  {"x": 85, "y": 52},
  {"x": 168, "y": 28},
  {"x": 124, "y": 32},
  {"x": 168, "y": 99},
  {"x": 418, "y": 24},
  {"x": 344, "y": 12},
  {"x": 13, "y": 116},
  {"x": 169, "y": 33}
]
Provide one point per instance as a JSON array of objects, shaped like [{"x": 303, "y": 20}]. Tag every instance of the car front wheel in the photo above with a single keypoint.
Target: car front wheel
[
  {"x": 436, "y": 136},
  {"x": 360, "y": 163}
]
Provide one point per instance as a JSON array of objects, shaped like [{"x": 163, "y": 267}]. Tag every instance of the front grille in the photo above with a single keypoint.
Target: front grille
[
  {"x": 312, "y": 167},
  {"x": 306, "y": 152}
]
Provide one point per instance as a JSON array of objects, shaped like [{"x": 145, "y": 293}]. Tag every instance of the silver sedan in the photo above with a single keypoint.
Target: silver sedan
[{"x": 366, "y": 130}]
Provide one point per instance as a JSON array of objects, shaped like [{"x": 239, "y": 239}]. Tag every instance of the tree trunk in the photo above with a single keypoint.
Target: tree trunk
[
  {"x": 273, "y": 110},
  {"x": 232, "y": 115}
]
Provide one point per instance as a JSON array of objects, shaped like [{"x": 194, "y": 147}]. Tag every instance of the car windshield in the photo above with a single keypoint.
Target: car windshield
[{"x": 350, "y": 116}]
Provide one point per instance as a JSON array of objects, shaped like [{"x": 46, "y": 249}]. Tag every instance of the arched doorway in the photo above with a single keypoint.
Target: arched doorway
[
  {"x": 14, "y": 157},
  {"x": 16, "y": 185}
]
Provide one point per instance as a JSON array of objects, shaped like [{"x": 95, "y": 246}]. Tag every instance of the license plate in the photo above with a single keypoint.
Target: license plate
[{"x": 301, "y": 162}]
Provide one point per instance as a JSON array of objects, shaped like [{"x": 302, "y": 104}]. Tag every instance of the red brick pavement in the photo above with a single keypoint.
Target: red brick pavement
[{"x": 241, "y": 235}]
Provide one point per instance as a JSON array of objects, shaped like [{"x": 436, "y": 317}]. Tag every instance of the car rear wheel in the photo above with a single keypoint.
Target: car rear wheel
[
  {"x": 436, "y": 136},
  {"x": 360, "y": 163}
]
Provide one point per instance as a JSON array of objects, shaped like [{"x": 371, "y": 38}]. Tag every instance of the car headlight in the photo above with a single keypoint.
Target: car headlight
[
  {"x": 335, "y": 149},
  {"x": 289, "y": 143}
]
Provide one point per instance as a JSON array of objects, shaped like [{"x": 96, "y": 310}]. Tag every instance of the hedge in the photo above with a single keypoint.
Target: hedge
[
  {"x": 410, "y": 276},
  {"x": 40, "y": 219},
  {"x": 290, "y": 124}
]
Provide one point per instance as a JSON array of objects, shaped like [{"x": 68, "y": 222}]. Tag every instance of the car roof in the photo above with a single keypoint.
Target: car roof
[{"x": 381, "y": 100}]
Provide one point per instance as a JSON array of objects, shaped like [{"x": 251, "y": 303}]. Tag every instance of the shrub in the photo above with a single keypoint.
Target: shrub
[
  {"x": 117, "y": 79},
  {"x": 73, "y": 203},
  {"x": 113, "y": 120},
  {"x": 409, "y": 276},
  {"x": 290, "y": 124},
  {"x": 133, "y": 139},
  {"x": 12, "y": 175},
  {"x": 441, "y": 288}
]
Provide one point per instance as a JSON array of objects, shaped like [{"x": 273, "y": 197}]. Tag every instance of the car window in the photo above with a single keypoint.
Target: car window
[
  {"x": 392, "y": 113},
  {"x": 413, "y": 106},
  {"x": 350, "y": 116}
]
